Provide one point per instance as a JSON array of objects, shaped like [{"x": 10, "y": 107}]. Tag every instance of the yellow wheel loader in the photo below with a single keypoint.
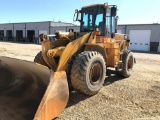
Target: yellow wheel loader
[{"x": 78, "y": 60}]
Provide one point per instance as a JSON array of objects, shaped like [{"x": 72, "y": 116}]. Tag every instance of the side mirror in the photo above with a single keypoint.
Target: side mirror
[
  {"x": 114, "y": 11},
  {"x": 116, "y": 18},
  {"x": 116, "y": 23}
]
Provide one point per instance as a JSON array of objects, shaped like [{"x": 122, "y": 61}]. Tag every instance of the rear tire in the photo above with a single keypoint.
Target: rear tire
[
  {"x": 88, "y": 72},
  {"x": 128, "y": 62},
  {"x": 37, "y": 58}
]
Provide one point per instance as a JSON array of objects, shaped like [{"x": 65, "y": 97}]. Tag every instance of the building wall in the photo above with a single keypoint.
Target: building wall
[
  {"x": 122, "y": 28},
  {"x": 64, "y": 29},
  {"x": 37, "y": 27},
  {"x": 153, "y": 38},
  {"x": 18, "y": 26},
  {"x": 56, "y": 29},
  {"x": 155, "y": 33},
  {"x": 57, "y": 24},
  {"x": 76, "y": 28},
  {"x": 155, "y": 30},
  {"x": 51, "y": 27},
  {"x": 6, "y": 27},
  {"x": 48, "y": 27}
]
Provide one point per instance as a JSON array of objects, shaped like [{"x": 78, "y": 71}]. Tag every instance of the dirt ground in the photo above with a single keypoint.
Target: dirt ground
[{"x": 134, "y": 98}]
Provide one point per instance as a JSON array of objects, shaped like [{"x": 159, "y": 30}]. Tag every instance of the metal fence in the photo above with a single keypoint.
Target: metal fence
[{"x": 20, "y": 39}]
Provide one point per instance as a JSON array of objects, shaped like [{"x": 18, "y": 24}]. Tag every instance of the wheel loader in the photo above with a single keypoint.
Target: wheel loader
[{"x": 39, "y": 90}]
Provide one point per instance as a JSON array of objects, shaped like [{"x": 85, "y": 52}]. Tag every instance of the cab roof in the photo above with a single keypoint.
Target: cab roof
[
  {"x": 93, "y": 5},
  {"x": 96, "y": 5}
]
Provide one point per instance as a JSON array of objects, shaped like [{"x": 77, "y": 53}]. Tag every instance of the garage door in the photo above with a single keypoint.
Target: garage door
[
  {"x": 159, "y": 47},
  {"x": 140, "y": 40}
]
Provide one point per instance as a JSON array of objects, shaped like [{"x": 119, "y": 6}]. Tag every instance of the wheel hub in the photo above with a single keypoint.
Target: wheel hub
[
  {"x": 130, "y": 63},
  {"x": 95, "y": 74}
]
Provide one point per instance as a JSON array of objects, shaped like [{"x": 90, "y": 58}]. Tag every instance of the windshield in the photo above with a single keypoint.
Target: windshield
[
  {"x": 98, "y": 18},
  {"x": 92, "y": 18}
]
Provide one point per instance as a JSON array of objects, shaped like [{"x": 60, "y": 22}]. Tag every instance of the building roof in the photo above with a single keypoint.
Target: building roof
[
  {"x": 138, "y": 24},
  {"x": 37, "y": 22}
]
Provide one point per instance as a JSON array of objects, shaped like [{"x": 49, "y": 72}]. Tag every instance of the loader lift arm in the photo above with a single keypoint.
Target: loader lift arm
[{"x": 57, "y": 93}]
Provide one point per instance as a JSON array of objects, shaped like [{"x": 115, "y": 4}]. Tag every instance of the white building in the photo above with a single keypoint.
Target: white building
[
  {"x": 29, "y": 32},
  {"x": 143, "y": 37}
]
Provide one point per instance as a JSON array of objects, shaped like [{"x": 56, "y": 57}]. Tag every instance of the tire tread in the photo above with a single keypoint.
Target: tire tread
[{"x": 79, "y": 69}]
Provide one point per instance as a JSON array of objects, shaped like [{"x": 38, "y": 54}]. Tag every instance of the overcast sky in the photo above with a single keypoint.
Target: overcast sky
[{"x": 129, "y": 11}]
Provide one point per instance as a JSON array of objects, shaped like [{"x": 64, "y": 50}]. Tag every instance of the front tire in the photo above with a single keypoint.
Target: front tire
[{"x": 88, "y": 72}]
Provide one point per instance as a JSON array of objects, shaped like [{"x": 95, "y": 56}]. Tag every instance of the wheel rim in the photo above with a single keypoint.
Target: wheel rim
[
  {"x": 130, "y": 63},
  {"x": 95, "y": 74}
]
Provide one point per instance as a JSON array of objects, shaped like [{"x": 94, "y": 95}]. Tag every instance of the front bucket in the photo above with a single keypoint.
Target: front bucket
[
  {"x": 55, "y": 98},
  {"x": 23, "y": 84}
]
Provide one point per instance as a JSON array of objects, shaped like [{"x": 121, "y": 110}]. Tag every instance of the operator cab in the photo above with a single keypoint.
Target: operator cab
[{"x": 100, "y": 18}]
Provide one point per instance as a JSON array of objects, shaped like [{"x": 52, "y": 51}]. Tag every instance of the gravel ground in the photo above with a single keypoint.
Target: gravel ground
[{"x": 134, "y": 98}]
